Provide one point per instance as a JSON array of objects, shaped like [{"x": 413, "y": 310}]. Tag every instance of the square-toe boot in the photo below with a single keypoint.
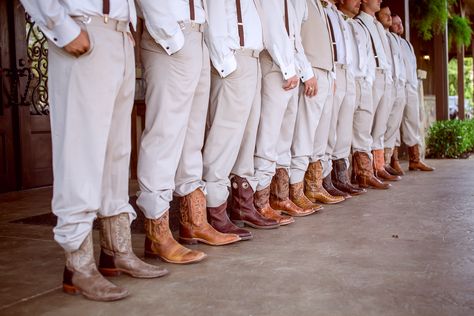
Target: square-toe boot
[
  {"x": 313, "y": 185},
  {"x": 395, "y": 163},
  {"x": 159, "y": 243},
  {"x": 117, "y": 256},
  {"x": 218, "y": 218},
  {"x": 365, "y": 172},
  {"x": 193, "y": 225},
  {"x": 388, "y": 153},
  {"x": 298, "y": 197},
  {"x": 379, "y": 166},
  {"x": 415, "y": 160},
  {"x": 261, "y": 200},
  {"x": 242, "y": 209},
  {"x": 82, "y": 277},
  {"x": 331, "y": 189},
  {"x": 340, "y": 178},
  {"x": 280, "y": 196}
]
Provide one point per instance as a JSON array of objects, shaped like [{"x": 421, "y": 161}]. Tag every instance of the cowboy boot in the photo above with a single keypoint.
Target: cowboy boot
[
  {"x": 193, "y": 225},
  {"x": 331, "y": 189},
  {"x": 415, "y": 161},
  {"x": 379, "y": 166},
  {"x": 261, "y": 200},
  {"x": 279, "y": 195},
  {"x": 313, "y": 185},
  {"x": 116, "y": 255},
  {"x": 395, "y": 163},
  {"x": 340, "y": 178},
  {"x": 388, "y": 152},
  {"x": 82, "y": 277},
  {"x": 159, "y": 243},
  {"x": 298, "y": 197},
  {"x": 242, "y": 209},
  {"x": 365, "y": 173},
  {"x": 219, "y": 219}
]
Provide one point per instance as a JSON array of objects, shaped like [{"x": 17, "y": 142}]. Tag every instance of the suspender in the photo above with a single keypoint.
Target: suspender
[
  {"x": 192, "y": 14},
  {"x": 377, "y": 62},
  {"x": 287, "y": 23},
  {"x": 333, "y": 38},
  {"x": 240, "y": 24},
  {"x": 106, "y": 10}
]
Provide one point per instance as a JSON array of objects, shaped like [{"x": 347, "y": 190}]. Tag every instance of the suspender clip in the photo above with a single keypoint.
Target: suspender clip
[{"x": 106, "y": 18}]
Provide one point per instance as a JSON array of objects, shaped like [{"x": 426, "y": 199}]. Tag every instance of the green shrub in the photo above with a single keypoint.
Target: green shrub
[{"x": 450, "y": 139}]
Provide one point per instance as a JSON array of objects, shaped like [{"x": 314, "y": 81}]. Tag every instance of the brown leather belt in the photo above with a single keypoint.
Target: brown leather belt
[{"x": 240, "y": 24}]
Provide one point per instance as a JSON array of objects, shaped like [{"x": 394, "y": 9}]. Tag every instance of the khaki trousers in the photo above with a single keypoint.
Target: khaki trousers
[
  {"x": 232, "y": 127},
  {"x": 277, "y": 123},
  {"x": 382, "y": 95},
  {"x": 91, "y": 99},
  {"x": 312, "y": 126},
  {"x": 363, "y": 117},
  {"x": 395, "y": 118},
  {"x": 177, "y": 95},
  {"x": 410, "y": 125},
  {"x": 340, "y": 130}
]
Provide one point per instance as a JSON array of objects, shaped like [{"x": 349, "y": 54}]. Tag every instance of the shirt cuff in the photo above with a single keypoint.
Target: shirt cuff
[
  {"x": 288, "y": 71},
  {"x": 64, "y": 33},
  {"x": 228, "y": 65},
  {"x": 306, "y": 74},
  {"x": 173, "y": 44}
]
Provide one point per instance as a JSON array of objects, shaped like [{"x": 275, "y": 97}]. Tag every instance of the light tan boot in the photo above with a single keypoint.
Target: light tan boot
[
  {"x": 82, "y": 277},
  {"x": 415, "y": 161},
  {"x": 159, "y": 243},
  {"x": 261, "y": 200},
  {"x": 297, "y": 196},
  {"x": 395, "y": 163},
  {"x": 313, "y": 185},
  {"x": 193, "y": 224},
  {"x": 379, "y": 166},
  {"x": 117, "y": 256}
]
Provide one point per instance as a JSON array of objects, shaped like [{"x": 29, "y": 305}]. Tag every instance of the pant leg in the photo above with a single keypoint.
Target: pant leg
[
  {"x": 411, "y": 119},
  {"x": 382, "y": 109},
  {"x": 344, "y": 130},
  {"x": 395, "y": 118},
  {"x": 363, "y": 117},
  {"x": 287, "y": 133},
  {"x": 171, "y": 85}
]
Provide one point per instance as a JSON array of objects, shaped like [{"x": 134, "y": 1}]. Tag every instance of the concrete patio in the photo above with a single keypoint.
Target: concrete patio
[{"x": 405, "y": 251}]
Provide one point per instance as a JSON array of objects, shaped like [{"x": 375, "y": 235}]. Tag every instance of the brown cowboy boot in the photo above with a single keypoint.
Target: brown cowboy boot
[
  {"x": 193, "y": 225},
  {"x": 219, "y": 219},
  {"x": 297, "y": 196},
  {"x": 159, "y": 243},
  {"x": 331, "y": 189},
  {"x": 395, "y": 163},
  {"x": 313, "y": 185},
  {"x": 82, "y": 277},
  {"x": 388, "y": 153},
  {"x": 242, "y": 209},
  {"x": 379, "y": 166},
  {"x": 279, "y": 195},
  {"x": 117, "y": 256},
  {"x": 340, "y": 179},
  {"x": 415, "y": 161},
  {"x": 365, "y": 174},
  {"x": 261, "y": 200}
]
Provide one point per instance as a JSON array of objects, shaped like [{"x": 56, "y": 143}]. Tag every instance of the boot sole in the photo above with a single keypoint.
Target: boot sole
[
  {"x": 243, "y": 223},
  {"x": 195, "y": 241},
  {"x": 117, "y": 272},
  {"x": 72, "y": 290},
  {"x": 299, "y": 214},
  {"x": 156, "y": 256}
]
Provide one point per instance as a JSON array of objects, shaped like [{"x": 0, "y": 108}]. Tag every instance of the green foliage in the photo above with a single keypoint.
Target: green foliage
[
  {"x": 431, "y": 16},
  {"x": 459, "y": 30},
  {"x": 468, "y": 79},
  {"x": 450, "y": 139}
]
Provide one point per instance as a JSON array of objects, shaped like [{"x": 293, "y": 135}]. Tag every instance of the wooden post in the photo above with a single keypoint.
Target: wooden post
[
  {"x": 441, "y": 74},
  {"x": 460, "y": 58}
]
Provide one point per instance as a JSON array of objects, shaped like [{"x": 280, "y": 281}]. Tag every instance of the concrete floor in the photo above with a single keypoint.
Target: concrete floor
[{"x": 344, "y": 261}]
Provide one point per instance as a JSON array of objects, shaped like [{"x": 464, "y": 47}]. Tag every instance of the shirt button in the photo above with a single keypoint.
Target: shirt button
[
  {"x": 167, "y": 47},
  {"x": 55, "y": 39},
  {"x": 222, "y": 70}
]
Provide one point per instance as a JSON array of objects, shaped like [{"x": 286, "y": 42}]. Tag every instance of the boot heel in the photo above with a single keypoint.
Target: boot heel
[
  {"x": 188, "y": 241},
  {"x": 110, "y": 272},
  {"x": 239, "y": 223},
  {"x": 70, "y": 289}
]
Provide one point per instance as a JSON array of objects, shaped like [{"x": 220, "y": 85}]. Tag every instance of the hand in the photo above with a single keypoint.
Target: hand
[
  {"x": 80, "y": 45},
  {"x": 311, "y": 87},
  {"x": 291, "y": 83}
]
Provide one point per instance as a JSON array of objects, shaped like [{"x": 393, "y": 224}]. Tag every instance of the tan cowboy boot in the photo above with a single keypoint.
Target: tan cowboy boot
[
  {"x": 415, "y": 161},
  {"x": 313, "y": 185},
  {"x": 159, "y": 243},
  {"x": 365, "y": 173},
  {"x": 193, "y": 225},
  {"x": 82, "y": 277},
  {"x": 297, "y": 196},
  {"x": 261, "y": 201},
  {"x": 395, "y": 163},
  {"x": 117, "y": 256},
  {"x": 279, "y": 195},
  {"x": 379, "y": 166},
  {"x": 388, "y": 153}
]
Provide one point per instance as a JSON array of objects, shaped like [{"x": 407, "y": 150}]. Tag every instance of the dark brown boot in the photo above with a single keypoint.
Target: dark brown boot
[
  {"x": 261, "y": 200},
  {"x": 388, "y": 153},
  {"x": 298, "y": 197},
  {"x": 242, "y": 209},
  {"x": 365, "y": 173},
  {"x": 331, "y": 189},
  {"x": 313, "y": 185},
  {"x": 395, "y": 163},
  {"x": 280, "y": 195},
  {"x": 340, "y": 179},
  {"x": 379, "y": 166},
  {"x": 219, "y": 219},
  {"x": 415, "y": 161}
]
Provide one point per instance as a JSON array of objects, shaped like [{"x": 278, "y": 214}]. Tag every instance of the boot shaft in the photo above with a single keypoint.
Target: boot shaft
[
  {"x": 279, "y": 187},
  {"x": 261, "y": 198},
  {"x": 192, "y": 209},
  {"x": 157, "y": 230},
  {"x": 378, "y": 156},
  {"x": 115, "y": 234},
  {"x": 313, "y": 178}
]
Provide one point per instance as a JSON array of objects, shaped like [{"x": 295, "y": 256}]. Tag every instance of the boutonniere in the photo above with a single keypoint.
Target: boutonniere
[
  {"x": 324, "y": 3},
  {"x": 345, "y": 17}
]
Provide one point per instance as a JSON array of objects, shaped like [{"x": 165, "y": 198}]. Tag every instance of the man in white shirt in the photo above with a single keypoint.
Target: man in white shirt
[
  {"x": 235, "y": 39},
  {"x": 91, "y": 90},
  {"x": 410, "y": 123},
  {"x": 177, "y": 72}
]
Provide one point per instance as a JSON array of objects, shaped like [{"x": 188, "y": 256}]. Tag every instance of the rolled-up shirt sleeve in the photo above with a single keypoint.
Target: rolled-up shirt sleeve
[
  {"x": 162, "y": 25},
  {"x": 53, "y": 19}
]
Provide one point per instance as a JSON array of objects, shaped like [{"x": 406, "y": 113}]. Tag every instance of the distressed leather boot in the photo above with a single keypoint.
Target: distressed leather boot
[
  {"x": 395, "y": 163},
  {"x": 298, "y": 197},
  {"x": 313, "y": 185},
  {"x": 242, "y": 209},
  {"x": 388, "y": 152},
  {"x": 82, "y": 277},
  {"x": 159, "y": 243},
  {"x": 415, "y": 161},
  {"x": 117, "y": 256},
  {"x": 279, "y": 195},
  {"x": 261, "y": 200},
  {"x": 193, "y": 225},
  {"x": 365, "y": 173},
  {"x": 340, "y": 179},
  {"x": 379, "y": 166},
  {"x": 331, "y": 189},
  {"x": 219, "y": 219}
]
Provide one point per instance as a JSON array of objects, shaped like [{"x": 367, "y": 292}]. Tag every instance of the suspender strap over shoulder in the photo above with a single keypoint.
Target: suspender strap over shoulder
[
  {"x": 333, "y": 37},
  {"x": 287, "y": 22},
  {"x": 377, "y": 62},
  {"x": 240, "y": 24},
  {"x": 106, "y": 10},
  {"x": 192, "y": 12}
]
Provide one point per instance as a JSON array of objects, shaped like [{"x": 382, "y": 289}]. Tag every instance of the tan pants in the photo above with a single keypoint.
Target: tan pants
[
  {"x": 177, "y": 95},
  {"x": 411, "y": 119},
  {"x": 232, "y": 127},
  {"x": 277, "y": 123},
  {"x": 363, "y": 117},
  {"x": 395, "y": 118},
  {"x": 91, "y": 99},
  {"x": 382, "y": 95},
  {"x": 312, "y": 126},
  {"x": 340, "y": 130}
]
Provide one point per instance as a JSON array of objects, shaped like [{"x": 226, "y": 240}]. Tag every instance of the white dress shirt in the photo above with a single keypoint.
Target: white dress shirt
[
  {"x": 305, "y": 69},
  {"x": 222, "y": 35},
  {"x": 363, "y": 64},
  {"x": 409, "y": 57},
  {"x": 163, "y": 17},
  {"x": 399, "y": 70},
  {"x": 54, "y": 16}
]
